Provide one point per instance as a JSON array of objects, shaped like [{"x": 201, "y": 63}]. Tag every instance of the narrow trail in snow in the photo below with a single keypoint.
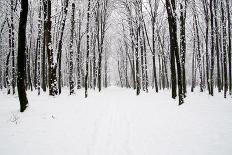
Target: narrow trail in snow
[{"x": 117, "y": 122}]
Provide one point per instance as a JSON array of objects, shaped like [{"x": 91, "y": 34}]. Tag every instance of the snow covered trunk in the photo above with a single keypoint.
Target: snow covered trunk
[
  {"x": 13, "y": 46},
  {"x": 1, "y": 56},
  {"x": 183, "y": 43},
  {"x": 39, "y": 42},
  {"x": 206, "y": 17},
  {"x": 219, "y": 85},
  {"x": 8, "y": 59},
  {"x": 88, "y": 49},
  {"x": 137, "y": 61},
  {"x": 224, "y": 49},
  {"x": 52, "y": 79},
  {"x": 212, "y": 48},
  {"x": 171, "y": 10},
  {"x": 153, "y": 22},
  {"x": 228, "y": 6},
  {"x": 143, "y": 37},
  {"x": 198, "y": 55},
  {"x": 78, "y": 42},
  {"x": 59, "y": 54},
  {"x": 71, "y": 80}
]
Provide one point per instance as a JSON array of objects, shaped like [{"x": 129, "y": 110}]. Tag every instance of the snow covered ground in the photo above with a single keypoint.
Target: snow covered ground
[{"x": 116, "y": 122}]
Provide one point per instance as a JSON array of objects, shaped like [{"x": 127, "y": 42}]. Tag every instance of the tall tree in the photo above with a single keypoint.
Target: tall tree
[
  {"x": 153, "y": 12},
  {"x": 224, "y": 49},
  {"x": 171, "y": 11},
  {"x": 13, "y": 46},
  {"x": 21, "y": 56},
  {"x": 71, "y": 82},
  {"x": 59, "y": 54},
  {"x": 39, "y": 44},
  {"x": 183, "y": 7},
  {"x": 52, "y": 80},
  {"x": 88, "y": 49},
  {"x": 206, "y": 17},
  {"x": 217, "y": 45},
  {"x": 212, "y": 48},
  {"x": 228, "y": 6}
]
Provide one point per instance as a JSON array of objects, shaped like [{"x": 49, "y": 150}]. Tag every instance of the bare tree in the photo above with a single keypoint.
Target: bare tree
[{"x": 21, "y": 56}]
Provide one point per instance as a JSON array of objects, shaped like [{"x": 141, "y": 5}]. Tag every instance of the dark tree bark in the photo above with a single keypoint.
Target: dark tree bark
[
  {"x": 71, "y": 81},
  {"x": 59, "y": 54},
  {"x": 35, "y": 65},
  {"x": 172, "y": 26},
  {"x": 183, "y": 43},
  {"x": 142, "y": 60},
  {"x": 7, "y": 73},
  {"x": 44, "y": 66},
  {"x": 212, "y": 49},
  {"x": 1, "y": 55},
  {"x": 145, "y": 60},
  {"x": 21, "y": 56},
  {"x": 170, "y": 6},
  {"x": 102, "y": 30},
  {"x": 78, "y": 59},
  {"x": 106, "y": 71},
  {"x": 39, "y": 47},
  {"x": 217, "y": 46},
  {"x": 13, "y": 47},
  {"x": 193, "y": 65},
  {"x": 138, "y": 87},
  {"x": 153, "y": 54},
  {"x": 52, "y": 80},
  {"x": 228, "y": 5},
  {"x": 153, "y": 14},
  {"x": 196, "y": 35},
  {"x": 206, "y": 14},
  {"x": 224, "y": 49},
  {"x": 8, "y": 58},
  {"x": 88, "y": 49}
]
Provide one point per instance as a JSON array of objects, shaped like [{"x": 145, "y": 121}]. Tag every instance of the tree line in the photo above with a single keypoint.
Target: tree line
[{"x": 48, "y": 45}]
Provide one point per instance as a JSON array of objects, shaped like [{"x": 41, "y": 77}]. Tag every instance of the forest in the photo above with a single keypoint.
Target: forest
[
  {"x": 135, "y": 44},
  {"x": 116, "y": 77}
]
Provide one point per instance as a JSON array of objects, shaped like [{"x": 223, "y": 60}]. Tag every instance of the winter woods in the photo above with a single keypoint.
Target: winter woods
[{"x": 146, "y": 45}]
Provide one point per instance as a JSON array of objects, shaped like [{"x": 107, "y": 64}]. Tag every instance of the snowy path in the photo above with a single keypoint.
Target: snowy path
[{"x": 116, "y": 122}]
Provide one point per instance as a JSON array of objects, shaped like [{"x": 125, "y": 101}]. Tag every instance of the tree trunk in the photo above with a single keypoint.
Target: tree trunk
[
  {"x": 52, "y": 80},
  {"x": 87, "y": 53},
  {"x": 229, "y": 46},
  {"x": 212, "y": 49},
  {"x": 13, "y": 47},
  {"x": 183, "y": 44},
  {"x": 59, "y": 54},
  {"x": 71, "y": 81},
  {"x": 174, "y": 51},
  {"x": 21, "y": 56},
  {"x": 217, "y": 48},
  {"x": 153, "y": 55},
  {"x": 224, "y": 49}
]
